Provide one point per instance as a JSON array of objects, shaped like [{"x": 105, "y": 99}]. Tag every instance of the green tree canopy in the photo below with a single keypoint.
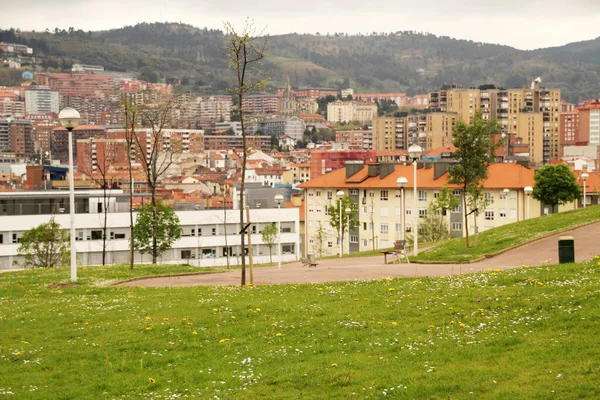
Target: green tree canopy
[
  {"x": 167, "y": 229},
  {"x": 349, "y": 221},
  {"x": 556, "y": 184},
  {"x": 269, "y": 237},
  {"x": 474, "y": 153},
  {"x": 45, "y": 246}
]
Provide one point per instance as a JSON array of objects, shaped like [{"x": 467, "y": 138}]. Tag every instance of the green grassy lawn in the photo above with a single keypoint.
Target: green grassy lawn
[
  {"x": 529, "y": 333},
  {"x": 503, "y": 237}
]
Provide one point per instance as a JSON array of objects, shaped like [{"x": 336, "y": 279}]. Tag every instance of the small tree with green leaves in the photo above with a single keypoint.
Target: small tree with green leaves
[
  {"x": 319, "y": 240},
  {"x": 45, "y": 246},
  {"x": 477, "y": 201},
  {"x": 349, "y": 221},
  {"x": 474, "y": 153},
  {"x": 167, "y": 229},
  {"x": 442, "y": 206},
  {"x": 556, "y": 184},
  {"x": 269, "y": 237}
]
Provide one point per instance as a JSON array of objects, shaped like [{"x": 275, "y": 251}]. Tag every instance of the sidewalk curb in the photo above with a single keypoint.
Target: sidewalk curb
[{"x": 486, "y": 256}]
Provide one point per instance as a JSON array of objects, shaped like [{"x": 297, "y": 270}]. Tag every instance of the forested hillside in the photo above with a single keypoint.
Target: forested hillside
[{"x": 402, "y": 61}]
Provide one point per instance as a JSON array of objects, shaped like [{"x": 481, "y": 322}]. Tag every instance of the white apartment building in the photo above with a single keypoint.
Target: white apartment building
[
  {"x": 375, "y": 193},
  {"x": 41, "y": 100},
  {"x": 203, "y": 232},
  {"x": 348, "y": 111}
]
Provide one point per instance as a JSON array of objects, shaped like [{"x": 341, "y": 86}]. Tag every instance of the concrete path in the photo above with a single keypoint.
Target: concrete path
[{"x": 587, "y": 245}]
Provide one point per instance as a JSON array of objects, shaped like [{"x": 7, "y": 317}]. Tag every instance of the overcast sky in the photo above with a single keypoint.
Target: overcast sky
[{"x": 524, "y": 24}]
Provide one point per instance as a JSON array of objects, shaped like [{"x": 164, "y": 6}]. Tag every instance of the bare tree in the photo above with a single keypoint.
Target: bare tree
[
  {"x": 157, "y": 152},
  {"x": 131, "y": 121},
  {"x": 245, "y": 51},
  {"x": 97, "y": 168}
]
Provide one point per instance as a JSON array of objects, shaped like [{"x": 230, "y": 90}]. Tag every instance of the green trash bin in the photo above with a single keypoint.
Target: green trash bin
[{"x": 566, "y": 250}]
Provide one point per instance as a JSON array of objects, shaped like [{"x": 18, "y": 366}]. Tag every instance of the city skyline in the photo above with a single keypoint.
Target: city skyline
[{"x": 546, "y": 24}]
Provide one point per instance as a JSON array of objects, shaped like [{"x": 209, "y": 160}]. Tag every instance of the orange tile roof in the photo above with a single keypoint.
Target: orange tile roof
[
  {"x": 501, "y": 176},
  {"x": 438, "y": 151}
]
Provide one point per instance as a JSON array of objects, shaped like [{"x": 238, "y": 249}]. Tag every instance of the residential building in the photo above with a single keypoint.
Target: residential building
[
  {"x": 9, "y": 108},
  {"x": 400, "y": 99},
  {"x": 378, "y": 201},
  {"x": 41, "y": 100},
  {"x": 355, "y": 138},
  {"x": 348, "y": 111},
  {"x": 60, "y": 140},
  {"x": 203, "y": 232},
  {"x": 16, "y": 137},
  {"x": 589, "y": 123},
  {"x": 569, "y": 129},
  {"x": 90, "y": 86},
  {"x": 214, "y": 142},
  {"x": 325, "y": 161},
  {"x": 261, "y": 104}
]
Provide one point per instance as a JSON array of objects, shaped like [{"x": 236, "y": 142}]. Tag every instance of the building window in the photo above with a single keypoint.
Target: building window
[
  {"x": 384, "y": 228},
  {"x": 502, "y": 196},
  {"x": 287, "y": 248},
  {"x": 383, "y": 195},
  {"x": 365, "y": 242},
  {"x": 330, "y": 244},
  {"x": 456, "y": 192},
  {"x": 329, "y": 194},
  {"x": 384, "y": 211},
  {"x": 364, "y": 226},
  {"x": 318, "y": 193},
  {"x": 422, "y": 195},
  {"x": 502, "y": 213},
  {"x": 422, "y": 212},
  {"x": 326, "y": 210},
  {"x": 456, "y": 210},
  {"x": 398, "y": 194},
  {"x": 96, "y": 235},
  {"x": 436, "y": 195},
  {"x": 186, "y": 254},
  {"x": 457, "y": 226},
  {"x": 353, "y": 238},
  {"x": 398, "y": 227},
  {"x": 489, "y": 198},
  {"x": 371, "y": 194},
  {"x": 208, "y": 253},
  {"x": 489, "y": 215},
  {"x": 353, "y": 192}
]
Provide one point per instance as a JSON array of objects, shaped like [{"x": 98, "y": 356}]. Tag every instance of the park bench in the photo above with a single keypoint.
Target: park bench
[
  {"x": 398, "y": 251},
  {"x": 309, "y": 261}
]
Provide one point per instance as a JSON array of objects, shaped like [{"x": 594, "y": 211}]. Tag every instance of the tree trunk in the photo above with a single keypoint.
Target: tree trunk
[
  {"x": 154, "y": 228},
  {"x": 475, "y": 215},
  {"x": 466, "y": 214},
  {"x": 242, "y": 185},
  {"x": 105, "y": 210}
]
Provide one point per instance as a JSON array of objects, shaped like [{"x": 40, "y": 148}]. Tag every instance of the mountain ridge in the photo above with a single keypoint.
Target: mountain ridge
[{"x": 403, "y": 61}]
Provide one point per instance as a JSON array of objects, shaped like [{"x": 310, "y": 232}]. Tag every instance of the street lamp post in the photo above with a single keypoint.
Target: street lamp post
[
  {"x": 279, "y": 200},
  {"x": 69, "y": 119},
  {"x": 401, "y": 182},
  {"x": 528, "y": 190},
  {"x": 340, "y": 196},
  {"x": 415, "y": 151},
  {"x": 584, "y": 176},
  {"x": 506, "y": 191}
]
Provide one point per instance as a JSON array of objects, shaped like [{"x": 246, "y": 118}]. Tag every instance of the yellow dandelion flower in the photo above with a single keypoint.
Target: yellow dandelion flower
[
  {"x": 171, "y": 330},
  {"x": 394, "y": 323},
  {"x": 334, "y": 365},
  {"x": 215, "y": 309},
  {"x": 462, "y": 325},
  {"x": 74, "y": 323},
  {"x": 508, "y": 298},
  {"x": 151, "y": 380},
  {"x": 379, "y": 323},
  {"x": 515, "y": 310},
  {"x": 279, "y": 334},
  {"x": 274, "y": 325},
  {"x": 257, "y": 309},
  {"x": 294, "y": 287},
  {"x": 391, "y": 289},
  {"x": 451, "y": 322},
  {"x": 233, "y": 317},
  {"x": 148, "y": 328},
  {"x": 148, "y": 319},
  {"x": 194, "y": 333},
  {"x": 223, "y": 340},
  {"x": 165, "y": 319},
  {"x": 540, "y": 283}
]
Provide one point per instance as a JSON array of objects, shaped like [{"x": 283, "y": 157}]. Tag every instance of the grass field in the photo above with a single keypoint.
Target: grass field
[
  {"x": 529, "y": 333},
  {"x": 503, "y": 237}
]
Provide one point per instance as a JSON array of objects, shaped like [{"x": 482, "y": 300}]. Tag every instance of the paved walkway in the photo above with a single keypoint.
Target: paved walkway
[{"x": 587, "y": 245}]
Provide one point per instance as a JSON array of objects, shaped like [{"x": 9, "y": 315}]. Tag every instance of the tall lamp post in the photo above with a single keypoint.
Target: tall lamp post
[
  {"x": 528, "y": 190},
  {"x": 506, "y": 191},
  {"x": 340, "y": 196},
  {"x": 279, "y": 200},
  {"x": 401, "y": 182},
  {"x": 415, "y": 151},
  {"x": 584, "y": 176},
  {"x": 69, "y": 118}
]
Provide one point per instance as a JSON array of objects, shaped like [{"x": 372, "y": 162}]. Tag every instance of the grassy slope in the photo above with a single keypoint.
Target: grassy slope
[
  {"x": 498, "y": 239},
  {"x": 520, "y": 334}
]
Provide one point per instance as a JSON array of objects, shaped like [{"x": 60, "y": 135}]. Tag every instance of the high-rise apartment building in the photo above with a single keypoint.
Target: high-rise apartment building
[
  {"x": 506, "y": 105},
  {"x": 41, "y": 100},
  {"x": 589, "y": 123},
  {"x": 16, "y": 136},
  {"x": 348, "y": 111}
]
